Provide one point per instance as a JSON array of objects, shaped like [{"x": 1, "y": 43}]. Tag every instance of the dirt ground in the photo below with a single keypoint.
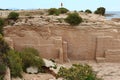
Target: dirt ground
[{"x": 107, "y": 71}]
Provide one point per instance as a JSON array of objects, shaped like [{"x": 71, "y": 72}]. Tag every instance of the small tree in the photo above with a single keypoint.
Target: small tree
[
  {"x": 100, "y": 10},
  {"x": 13, "y": 16},
  {"x": 73, "y": 19},
  {"x": 63, "y": 10},
  {"x": 88, "y": 11}
]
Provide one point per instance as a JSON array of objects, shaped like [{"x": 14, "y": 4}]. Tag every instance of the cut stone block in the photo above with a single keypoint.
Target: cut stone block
[{"x": 112, "y": 55}]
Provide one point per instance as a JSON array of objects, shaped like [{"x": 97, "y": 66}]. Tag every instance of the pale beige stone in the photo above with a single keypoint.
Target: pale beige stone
[
  {"x": 32, "y": 70},
  {"x": 7, "y": 75}
]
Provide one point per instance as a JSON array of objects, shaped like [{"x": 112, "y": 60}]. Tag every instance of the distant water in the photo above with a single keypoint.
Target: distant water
[{"x": 112, "y": 14}]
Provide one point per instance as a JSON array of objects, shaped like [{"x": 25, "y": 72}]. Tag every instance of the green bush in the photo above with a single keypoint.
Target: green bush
[
  {"x": 1, "y": 25},
  {"x": 53, "y": 11},
  {"x": 63, "y": 10},
  {"x": 78, "y": 72},
  {"x": 73, "y": 19},
  {"x": 1, "y": 22},
  {"x": 2, "y": 69},
  {"x": 1, "y": 77},
  {"x": 13, "y": 16},
  {"x": 100, "y": 10},
  {"x": 30, "y": 57},
  {"x": 81, "y": 11},
  {"x": 15, "y": 63},
  {"x": 88, "y": 11},
  {"x": 57, "y": 13},
  {"x": 4, "y": 47}
]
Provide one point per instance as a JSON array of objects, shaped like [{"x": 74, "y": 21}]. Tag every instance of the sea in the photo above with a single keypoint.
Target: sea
[{"x": 112, "y": 14}]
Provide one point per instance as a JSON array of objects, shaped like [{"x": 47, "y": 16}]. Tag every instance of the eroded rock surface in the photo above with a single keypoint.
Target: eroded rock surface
[{"x": 64, "y": 42}]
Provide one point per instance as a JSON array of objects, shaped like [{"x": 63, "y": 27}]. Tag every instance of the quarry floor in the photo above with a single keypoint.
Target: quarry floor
[{"x": 107, "y": 71}]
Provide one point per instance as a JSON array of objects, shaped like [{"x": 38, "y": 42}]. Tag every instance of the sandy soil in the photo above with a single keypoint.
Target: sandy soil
[
  {"x": 107, "y": 71},
  {"x": 40, "y": 76}
]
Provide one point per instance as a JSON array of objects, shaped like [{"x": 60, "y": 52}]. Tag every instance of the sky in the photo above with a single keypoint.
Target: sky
[{"x": 110, "y": 5}]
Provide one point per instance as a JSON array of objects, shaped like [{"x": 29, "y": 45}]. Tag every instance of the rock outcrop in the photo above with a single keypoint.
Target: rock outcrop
[
  {"x": 64, "y": 43},
  {"x": 94, "y": 39}
]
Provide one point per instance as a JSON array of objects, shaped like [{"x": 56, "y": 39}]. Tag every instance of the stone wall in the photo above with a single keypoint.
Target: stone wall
[{"x": 66, "y": 43}]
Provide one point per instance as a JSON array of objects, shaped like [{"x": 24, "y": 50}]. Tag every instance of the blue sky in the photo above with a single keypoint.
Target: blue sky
[{"x": 110, "y": 5}]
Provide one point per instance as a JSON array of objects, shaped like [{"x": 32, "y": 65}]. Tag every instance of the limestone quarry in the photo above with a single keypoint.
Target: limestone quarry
[{"x": 96, "y": 39}]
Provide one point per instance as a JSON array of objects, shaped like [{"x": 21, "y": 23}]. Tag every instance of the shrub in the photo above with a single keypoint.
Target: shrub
[
  {"x": 75, "y": 11},
  {"x": 4, "y": 47},
  {"x": 15, "y": 63},
  {"x": 100, "y": 10},
  {"x": 57, "y": 12},
  {"x": 63, "y": 10},
  {"x": 88, "y": 11},
  {"x": 30, "y": 58},
  {"x": 2, "y": 69},
  {"x": 73, "y": 19},
  {"x": 1, "y": 22},
  {"x": 78, "y": 72},
  {"x": 81, "y": 11},
  {"x": 13, "y": 16},
  {"x": 1, "y": 25},
  {"x": 1, "y": 77},
  {"x": 53, "y": 11}
]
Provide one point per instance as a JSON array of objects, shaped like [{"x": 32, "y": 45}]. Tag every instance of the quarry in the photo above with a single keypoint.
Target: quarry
[{"x": 96, "y": 41}]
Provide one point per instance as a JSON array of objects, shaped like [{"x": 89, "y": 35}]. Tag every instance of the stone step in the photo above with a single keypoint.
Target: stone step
[{"x": 100, "y": 59}]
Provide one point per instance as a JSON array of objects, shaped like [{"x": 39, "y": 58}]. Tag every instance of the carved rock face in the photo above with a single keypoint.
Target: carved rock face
[{"x": 82, "y": 43}]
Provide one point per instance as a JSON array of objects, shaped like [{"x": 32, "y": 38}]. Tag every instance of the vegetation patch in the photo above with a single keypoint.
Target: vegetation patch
[
  {"x": 4, "y": 47},
  {"x": 13, "y": 15},
  {"x": 2, "y": 70},
  {"x": 88, "y": 11},
  {"x": 78, "y": 72},
  {"x": 30, "y": 57},
  {"x": 100, "y": 11},
  {"x": 73, "y": 19},
  {"x": 53, "y": 11},
  {"x": 63, "y": 10},
  {"x": 15, "y": 63},
  {"x": 1, "y": 25}
]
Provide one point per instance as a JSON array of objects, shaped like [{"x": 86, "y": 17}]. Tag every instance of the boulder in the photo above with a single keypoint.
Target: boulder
[
  {"x": 32, "y": 70},
  {"x": 49, "y": 63}
]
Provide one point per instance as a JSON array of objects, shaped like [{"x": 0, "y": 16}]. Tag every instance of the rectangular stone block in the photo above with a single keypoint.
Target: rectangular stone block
[
  {"x": 103, "y": 43},
  {"x": 112, "y": 55}
]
